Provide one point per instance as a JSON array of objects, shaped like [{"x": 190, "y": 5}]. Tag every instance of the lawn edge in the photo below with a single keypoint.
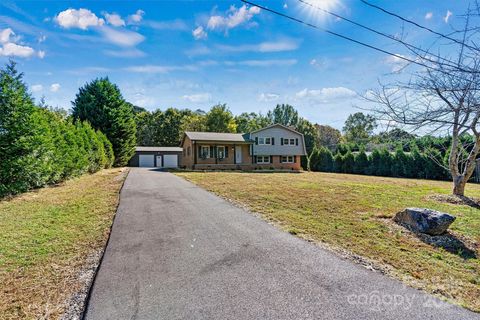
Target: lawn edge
[
  {"x": 77, "y": 303},
  {"x": 370, "y": 264}
]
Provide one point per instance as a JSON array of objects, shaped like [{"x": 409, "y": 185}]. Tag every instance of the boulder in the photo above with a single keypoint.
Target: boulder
[{"x": 425, "y": 220}]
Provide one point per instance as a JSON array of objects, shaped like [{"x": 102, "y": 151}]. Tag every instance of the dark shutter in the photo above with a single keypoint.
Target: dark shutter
[
  {"x": 296, "y": 141},
  {"x": 256, "y": 140},
  {"x": 273, "y": 141},
  {"x": 226, "y": 152},
  {"x": 281, "y": 141},
  {"x": 200, "y": 151},
  {"x": 271, "y": 159},
  {"x": 294, "y": 159},
  {"x": 212, "y": 154}
]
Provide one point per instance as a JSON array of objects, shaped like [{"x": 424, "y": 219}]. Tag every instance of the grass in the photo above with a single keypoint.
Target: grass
[
  {"x": 353, "y": 213},
  {"x": 47, "y": 237}
]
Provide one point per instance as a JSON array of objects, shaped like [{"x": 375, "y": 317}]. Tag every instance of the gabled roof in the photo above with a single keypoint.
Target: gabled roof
[
  {"x": 277, "y": 125},
  {"x": 156, "y": 149},
  {"x": 217, "y": 136}
]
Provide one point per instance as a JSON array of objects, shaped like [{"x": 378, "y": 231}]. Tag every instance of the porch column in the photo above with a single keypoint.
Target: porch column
[
  {"x": 194, "y": 152},
  {"x": 234, "y": 154}
]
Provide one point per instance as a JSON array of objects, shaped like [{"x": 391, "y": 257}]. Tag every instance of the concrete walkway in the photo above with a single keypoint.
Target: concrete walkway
[{"x": 179, "y": 252}]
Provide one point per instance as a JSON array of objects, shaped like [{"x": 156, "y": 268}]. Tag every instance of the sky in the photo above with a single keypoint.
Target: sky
[{"x": 195, "y": 54}]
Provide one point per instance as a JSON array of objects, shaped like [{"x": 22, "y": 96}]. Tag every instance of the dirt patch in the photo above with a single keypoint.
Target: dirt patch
[{"x": 452, "y": 199}]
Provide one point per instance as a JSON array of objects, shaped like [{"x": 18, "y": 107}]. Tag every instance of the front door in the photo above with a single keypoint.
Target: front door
[
  {"x": 159, "y": 161},
  {"x": 238, "y": 154}
]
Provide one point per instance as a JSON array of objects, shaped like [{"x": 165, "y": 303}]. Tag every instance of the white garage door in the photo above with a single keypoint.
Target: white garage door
[
  {"x": 146, "y": 160},
  {"x": 170, "y": 161}
]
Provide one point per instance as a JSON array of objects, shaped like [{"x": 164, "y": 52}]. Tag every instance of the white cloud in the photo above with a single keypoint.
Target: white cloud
[
  {"x": 428, "y": 15},
  {"x": 263, "y": 63},
  {"x": 114, "y": 19},
  {"x": 273, "y": 46},
  {"x": 234, "y": 17},
  {"x": 268, "y": 97},
  {"x": 285, "y": 6},
  {"x": 41, "y": 54},
  {"x": 136, "y": 18},
  {"x": 37, "y": 88},
  {"x": 176, "y": 24},
  {"x": 159, "y": 69},
  {"x": 198, "y": 98},
  {"x": 447, "y": 16},
  {"x": 5, "y": 35},
  {"x": 326, "y": 94},
  {"x": 124, "y": 37},
  {"x": 14, "y": 50},
  {"x": 199, "y": 33},
  {"x": 129, "y": 53},
  {"x": 42, "y": 38},
  {"x": 397, "y": 62},
  {"x": 55, "y": 87},
  {"x": 81, "y": 18}
]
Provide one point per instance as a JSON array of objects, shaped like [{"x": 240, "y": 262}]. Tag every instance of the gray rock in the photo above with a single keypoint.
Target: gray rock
[{"x": 425, "y": 220}]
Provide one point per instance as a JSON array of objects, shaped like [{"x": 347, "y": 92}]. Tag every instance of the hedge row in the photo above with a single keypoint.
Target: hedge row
[
  {"x": 39, "y": 146},
  {"x": 382, "y": 163}
]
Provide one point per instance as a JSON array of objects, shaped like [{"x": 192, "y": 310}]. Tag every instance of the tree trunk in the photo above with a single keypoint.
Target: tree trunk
[{"x": 459, "y": 186}]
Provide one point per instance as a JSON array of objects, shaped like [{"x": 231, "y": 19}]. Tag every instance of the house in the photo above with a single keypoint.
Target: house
[
  {"x": 274, "y": 147},
  {"x": 161, "y": 157}
]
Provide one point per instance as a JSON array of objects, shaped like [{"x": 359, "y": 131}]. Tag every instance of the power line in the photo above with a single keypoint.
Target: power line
[
  {"x": 341, "y": 36},
  {"x": 408, "y": 45},
  {"x": 419, "y": 25}
]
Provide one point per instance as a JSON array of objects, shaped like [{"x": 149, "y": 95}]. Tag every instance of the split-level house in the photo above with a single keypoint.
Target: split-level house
[{"x": 272, "y": 147}]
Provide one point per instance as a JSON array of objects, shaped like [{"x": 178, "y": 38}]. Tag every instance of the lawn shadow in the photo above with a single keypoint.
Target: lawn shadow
[
  {"x": 450, "y": 243},
  {"x": 460, "y": 200}
]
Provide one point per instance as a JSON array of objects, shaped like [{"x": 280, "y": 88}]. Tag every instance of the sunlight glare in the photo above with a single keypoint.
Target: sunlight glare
[{"x": 310, "y": 9}]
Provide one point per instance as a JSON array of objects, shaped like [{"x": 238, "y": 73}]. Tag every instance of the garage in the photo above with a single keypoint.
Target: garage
[
  {"x": 159, "y": 157},
  {"x": 170, "y": 161},
  {"x": 146, "y": 160}
]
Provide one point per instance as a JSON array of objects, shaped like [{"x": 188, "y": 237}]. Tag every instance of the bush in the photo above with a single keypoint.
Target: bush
[
  {"x": 361, "y": 163},
  {"x": 39, "y": 146},
  {"x": 322, "y": 160},
  {"x": 348, "y": 162}
]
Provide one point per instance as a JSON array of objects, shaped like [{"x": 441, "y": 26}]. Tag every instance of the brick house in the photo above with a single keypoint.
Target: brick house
[{"x": 274, "y": 147}]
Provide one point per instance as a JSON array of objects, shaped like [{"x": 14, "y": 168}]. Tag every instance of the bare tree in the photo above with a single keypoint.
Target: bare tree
[{"x": 442, "y": 94}]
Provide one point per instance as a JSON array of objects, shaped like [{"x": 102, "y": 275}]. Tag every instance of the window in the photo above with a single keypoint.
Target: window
[
  {"x": 221, "y": 152},
  {"x": 288, "y": 159},
  {"x": 262, "y": 140},
  {"x": 205, "y": 152},
  {"x": 287, "y": 142},
  {"x": 263, "y": 159}
]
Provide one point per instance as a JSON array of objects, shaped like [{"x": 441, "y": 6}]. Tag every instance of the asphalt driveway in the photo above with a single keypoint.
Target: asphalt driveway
[{"x": 179, "y": 252}]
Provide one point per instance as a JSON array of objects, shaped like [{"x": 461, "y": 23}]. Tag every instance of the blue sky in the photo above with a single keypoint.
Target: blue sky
[{"x": 194, "y": 54}]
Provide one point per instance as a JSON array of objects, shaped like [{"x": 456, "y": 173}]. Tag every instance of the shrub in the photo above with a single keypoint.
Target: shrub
[{"x": 39, "y": 146}]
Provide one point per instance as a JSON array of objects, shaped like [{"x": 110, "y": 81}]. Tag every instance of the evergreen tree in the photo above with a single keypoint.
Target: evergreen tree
[
  {"x": 338, "y": 163},
  {"x": 102, "y": 105},
  {"x": 322, "y": 160},
  {"x": 348, "y": 162},
  {"x": 361, "y": 163},
  {"x": 375, "y": 163}
]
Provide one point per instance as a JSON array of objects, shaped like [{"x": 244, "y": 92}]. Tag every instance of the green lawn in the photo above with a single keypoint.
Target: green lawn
[
  {"x": 46, "y": 237},
  {"x": 353, "y": 213}
]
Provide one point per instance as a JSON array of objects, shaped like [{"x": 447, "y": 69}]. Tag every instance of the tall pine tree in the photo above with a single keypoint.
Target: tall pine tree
[{"x": 102, "y": 105}]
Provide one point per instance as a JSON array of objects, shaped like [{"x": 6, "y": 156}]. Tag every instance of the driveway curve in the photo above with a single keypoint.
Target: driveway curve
[{"x": 179, "y": 252}]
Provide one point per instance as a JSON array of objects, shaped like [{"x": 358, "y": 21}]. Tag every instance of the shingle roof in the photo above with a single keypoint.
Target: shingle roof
[
  {"x": 156, "y": 149},
  {"x": 217, "y": 136}
]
